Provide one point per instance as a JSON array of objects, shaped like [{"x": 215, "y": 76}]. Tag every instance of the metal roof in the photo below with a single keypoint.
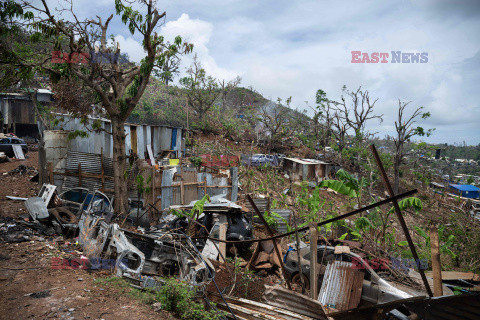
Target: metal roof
[
  {"x": 464, "y": 187},
  {"x": 307, "y": 161}
]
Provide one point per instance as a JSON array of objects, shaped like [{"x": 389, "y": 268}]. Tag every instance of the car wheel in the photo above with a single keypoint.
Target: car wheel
[{"x": 297, "y": 280}]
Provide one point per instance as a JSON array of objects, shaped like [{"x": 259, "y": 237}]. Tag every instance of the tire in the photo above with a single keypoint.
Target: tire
[{"x": 296, "y": 280}]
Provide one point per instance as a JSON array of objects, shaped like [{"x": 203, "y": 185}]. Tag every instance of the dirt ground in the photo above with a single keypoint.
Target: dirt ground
[
  {"x": 32, "y": 288},
  {"x": 17, "y": 185}
]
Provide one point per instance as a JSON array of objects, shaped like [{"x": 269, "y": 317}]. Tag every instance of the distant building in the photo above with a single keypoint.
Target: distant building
[
  {"x": 306, "y": 169},
  {"x": 465, "y": 190},
  {"x": 18, "y": 115},
  {"x": 138, "y": 137}
]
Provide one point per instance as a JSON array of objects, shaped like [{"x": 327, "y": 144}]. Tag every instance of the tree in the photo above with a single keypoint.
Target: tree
[
  {"x": 227, "y": 87},
  {"x": 406, "y": 130},
  {"x": 275, "y": 119},
  {"x": 201, "y": 90},
  {"x": 359, "y": 111},
  {"x": 169, "y": 66},
  {"x": 117, "y": 85}
]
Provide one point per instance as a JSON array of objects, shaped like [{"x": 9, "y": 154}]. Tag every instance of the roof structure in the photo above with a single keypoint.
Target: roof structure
[
  {"x": 307, "y": 161},
  {"x": 464, "y": 187}
]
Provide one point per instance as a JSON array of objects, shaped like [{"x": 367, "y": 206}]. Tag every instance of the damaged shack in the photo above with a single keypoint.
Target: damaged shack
[{"x": 310, "y": 170}]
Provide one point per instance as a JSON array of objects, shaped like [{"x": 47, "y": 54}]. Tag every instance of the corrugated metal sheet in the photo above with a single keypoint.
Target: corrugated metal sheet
[
  {"x": 159, "y": 136},
  {"x": 248, "y": 309},
  {"x": 287, "y": 299},
  {"x": 167, "y": 191},
  {"x": 341, "y": 286},
  {"x": 285, "y": 214},
  {"x": 91, "y": 163}
]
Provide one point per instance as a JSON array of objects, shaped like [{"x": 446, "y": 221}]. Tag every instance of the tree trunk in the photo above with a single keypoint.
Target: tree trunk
[
  {"x": 396, "y": 174},
  {"x": 119, "y": 166}
]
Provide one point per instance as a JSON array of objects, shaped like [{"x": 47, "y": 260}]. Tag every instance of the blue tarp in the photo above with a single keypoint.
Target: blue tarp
[
  {"x": 467, "y": 190},
  {"x": 464, "y": 187}
]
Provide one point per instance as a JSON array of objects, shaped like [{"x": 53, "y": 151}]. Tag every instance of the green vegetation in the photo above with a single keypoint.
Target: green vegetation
[{"x": 175, "y": 296}]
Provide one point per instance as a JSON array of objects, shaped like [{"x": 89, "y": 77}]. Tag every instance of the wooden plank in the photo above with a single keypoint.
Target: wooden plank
[
  {"x": 103, "y": 169},
  {"x": 17, "y": 150},
  {"x": 436, "y": 264},
  {"x": 50, "y": 172},
  {"x": 222, "y": 246},
  {"x": 150, "y": 154},
  {"x": 455, "y": 275}
]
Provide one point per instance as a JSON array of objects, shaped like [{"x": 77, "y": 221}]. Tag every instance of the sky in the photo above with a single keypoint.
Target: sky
[{"x": 293, "y": 48}]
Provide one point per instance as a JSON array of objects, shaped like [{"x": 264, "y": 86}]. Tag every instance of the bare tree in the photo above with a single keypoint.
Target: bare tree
[
  {"x": 118, "y": 85},
  {"x": 201, "y": 90},
  {"x": 275, "y": 119},
  {"x": 227, "y": 87},
  {"x": 405, "y": 127},
  {"x": 359, "y": 111},
  {"x": 340, "y": 128}
]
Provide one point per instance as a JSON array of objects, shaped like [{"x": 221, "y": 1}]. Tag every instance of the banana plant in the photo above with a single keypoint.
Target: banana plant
[
  {"x": 346, "y": 184},
  {"x": 444, "y": 248}
]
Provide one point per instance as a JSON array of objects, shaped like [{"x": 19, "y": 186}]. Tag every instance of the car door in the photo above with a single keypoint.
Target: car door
[{"x": 5, "y": 145}]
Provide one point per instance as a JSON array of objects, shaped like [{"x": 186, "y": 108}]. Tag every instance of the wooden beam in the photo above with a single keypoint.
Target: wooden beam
[
  {"x": 436, "y": 264},
  {"x": 50, "y": 172},
  {"x": 400, "y": 217},
  {"x": 222, "y": 246}
]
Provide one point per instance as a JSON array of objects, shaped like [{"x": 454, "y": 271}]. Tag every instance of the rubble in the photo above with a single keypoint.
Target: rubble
[
  {"x": 184, "y": 239},
  {"x": 23, "y": 170}
]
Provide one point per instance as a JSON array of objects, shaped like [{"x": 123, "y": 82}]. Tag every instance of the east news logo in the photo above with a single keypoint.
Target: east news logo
[{"x": 395, "y": 57}]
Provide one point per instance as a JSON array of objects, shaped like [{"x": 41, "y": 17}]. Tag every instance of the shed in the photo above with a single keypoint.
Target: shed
[
  {"x": 18, "y": 115},
  {"x": 161, "y": 138},
  {"x": 465, "y": 190},
  {"x": 306, "y": 169}
]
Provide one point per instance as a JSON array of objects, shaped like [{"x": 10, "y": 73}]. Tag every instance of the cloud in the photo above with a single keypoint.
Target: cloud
[
  {"x": 132, "y": 47},
  {"x": 198, "y": 32},
  {"x": 283, "y": 48}
]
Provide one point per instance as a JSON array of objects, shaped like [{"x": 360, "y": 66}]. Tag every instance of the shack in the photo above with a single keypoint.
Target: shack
[
  {"x": 465, "y": 190},
  {"x": 160, "y": 138},
  {"x": 306, "y": 169},
  {"x": 18, "y": 115}
]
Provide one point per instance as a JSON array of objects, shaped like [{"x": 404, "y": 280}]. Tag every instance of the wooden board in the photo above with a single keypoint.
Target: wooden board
[
  {"x": 17, "y": 149},
  {"x": 454, "y": 275},
  {"x": 150, "y": 154}
]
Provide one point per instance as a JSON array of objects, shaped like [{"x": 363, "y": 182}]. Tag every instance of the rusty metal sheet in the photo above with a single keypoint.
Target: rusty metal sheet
[
  {"x": 248, "y": 309},
  {"x": 341, "y": 286},
  {"x": 287, "y": 299}
]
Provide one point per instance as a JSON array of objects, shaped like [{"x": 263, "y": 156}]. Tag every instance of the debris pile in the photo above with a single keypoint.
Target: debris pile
[
  {"x": 23, "y": 170},
  {"x": 203, "y": 236}
]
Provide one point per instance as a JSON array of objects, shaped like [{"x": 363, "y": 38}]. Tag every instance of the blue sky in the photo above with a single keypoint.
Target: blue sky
[{"x": 293, "y": 48}]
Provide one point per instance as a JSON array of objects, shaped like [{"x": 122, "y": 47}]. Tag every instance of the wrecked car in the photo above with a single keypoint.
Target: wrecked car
[
  {"x": 218, "y": 209},
  {"x": 140, "y": 256},
  {"x": 262, "y": 160},
  {"x": 375, "y": 289}
]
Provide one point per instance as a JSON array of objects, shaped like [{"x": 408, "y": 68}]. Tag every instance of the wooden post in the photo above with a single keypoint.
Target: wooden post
[
  {"x": 313, "y": 261},
  {"x": 222, "y": 246},
  {"x": 103, "y": 169},
  {"x": 436, "y": 265},
  {"x": 182, "y": 192},
  {"x": 50, "y": 172},
  {"x": 79, "y": 174},
  {"x": 205, "y": 186},
  {"x": 398, "y": 212}
]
